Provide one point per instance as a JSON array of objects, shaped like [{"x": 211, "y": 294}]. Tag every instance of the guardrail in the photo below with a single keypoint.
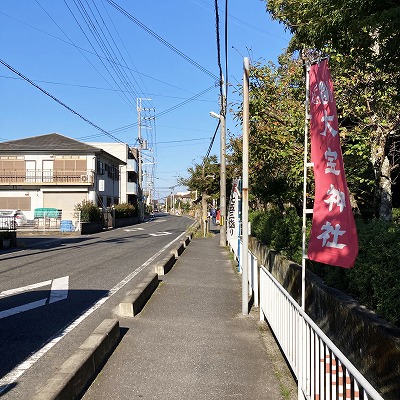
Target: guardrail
[{"x": 323, "y": 372}]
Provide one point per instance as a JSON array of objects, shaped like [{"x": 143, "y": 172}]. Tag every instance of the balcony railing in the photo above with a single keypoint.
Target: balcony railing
[
  {"x": 132, "y": 188},
  {"x": 132, "y": 165},
  {"x": 46, "y": 177}
]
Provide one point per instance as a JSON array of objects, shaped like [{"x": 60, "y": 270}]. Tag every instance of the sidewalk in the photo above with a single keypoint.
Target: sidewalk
[{"x": 190, "y": 341}]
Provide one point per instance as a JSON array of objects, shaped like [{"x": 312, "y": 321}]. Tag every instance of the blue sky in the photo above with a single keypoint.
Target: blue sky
[{"x": 50, "y": 43}]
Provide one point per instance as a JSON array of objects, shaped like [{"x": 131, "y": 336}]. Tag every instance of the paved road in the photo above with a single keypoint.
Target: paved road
[{"x": 54, "y": 292}]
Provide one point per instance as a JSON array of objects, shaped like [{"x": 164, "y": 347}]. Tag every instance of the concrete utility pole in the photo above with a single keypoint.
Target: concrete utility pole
[
  {"x": 222, "y": 183},
  {"x": 142, "y": 146},
  {"x": 245, "y": 188}
]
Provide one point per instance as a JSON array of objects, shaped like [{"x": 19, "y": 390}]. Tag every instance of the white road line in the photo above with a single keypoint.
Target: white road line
[
  {"x": 59, "y": 289},
  {"x": 24, "y": 307},
  {"x": 13, "y": 292},
  {"x": 20, "y": 369}
]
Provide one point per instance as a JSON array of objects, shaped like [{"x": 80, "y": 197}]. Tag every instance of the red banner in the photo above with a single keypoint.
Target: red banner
[{"x": 333, "y": 237}]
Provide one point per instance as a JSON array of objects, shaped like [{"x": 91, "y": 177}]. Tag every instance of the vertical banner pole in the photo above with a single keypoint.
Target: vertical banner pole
[
  {"x": 301, "y": 334},
  {"x": 245, "y": 187},
  {"x": 306, "y": 165}
]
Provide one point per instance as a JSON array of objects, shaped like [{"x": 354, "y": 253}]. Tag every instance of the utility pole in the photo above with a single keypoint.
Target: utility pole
[
  {"x": 222, "y": 182},
  {"x": 245, "y": 188},
  {"x": 142, "y": 146},
  {"x": 222, "y": 239}
]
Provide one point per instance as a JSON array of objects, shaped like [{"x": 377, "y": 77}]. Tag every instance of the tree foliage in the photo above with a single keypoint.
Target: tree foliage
[
  {"x": 362, "y": 39},
  {"x": 367, "y": 29},
  {"x": 203, "y": 178},
  {"x": 276, "y": 132}
]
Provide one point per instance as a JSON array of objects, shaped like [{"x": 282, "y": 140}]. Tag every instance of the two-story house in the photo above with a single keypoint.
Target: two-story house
[
  {"x": 129, "y": 173},
  {"x": 54, "y": 171}
]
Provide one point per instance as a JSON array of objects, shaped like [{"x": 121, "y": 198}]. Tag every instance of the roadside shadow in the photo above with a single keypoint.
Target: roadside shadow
[{"x": 32, "y": 319}]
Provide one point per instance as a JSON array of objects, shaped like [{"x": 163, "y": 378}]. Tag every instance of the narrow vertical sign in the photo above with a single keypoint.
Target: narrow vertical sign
[
  {"x": 333, "y": 238},
  {"x": 233, "y": 214}
]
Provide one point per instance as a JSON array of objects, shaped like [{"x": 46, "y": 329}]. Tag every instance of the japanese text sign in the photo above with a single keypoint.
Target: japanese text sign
[{"x": 333, "y": 238}]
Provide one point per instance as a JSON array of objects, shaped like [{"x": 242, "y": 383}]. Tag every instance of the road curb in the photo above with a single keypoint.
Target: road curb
[
  {"x": 178, "y": 251},
  {"x": 135, "y": 300},
  {"x": 166, "y": 264},
  {"x": 77, "y": 371},
  {"x": 73, "y": 377}
]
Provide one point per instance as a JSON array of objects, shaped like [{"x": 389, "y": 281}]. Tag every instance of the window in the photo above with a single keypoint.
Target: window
[{"x": 100, "y": 167}]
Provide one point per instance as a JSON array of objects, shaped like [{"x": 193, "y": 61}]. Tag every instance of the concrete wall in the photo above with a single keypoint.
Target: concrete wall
[{"x": 369, "y": 342}]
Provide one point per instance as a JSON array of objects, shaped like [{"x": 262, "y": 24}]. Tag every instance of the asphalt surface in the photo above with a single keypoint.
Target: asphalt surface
[
  {"x": 100, "y": 268},
  {"x": 191, "y": 341}
]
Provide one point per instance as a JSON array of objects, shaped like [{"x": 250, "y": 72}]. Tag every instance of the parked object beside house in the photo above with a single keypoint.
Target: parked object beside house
[
  {"x": 67, "y": 226},
  {"x": 10, "y": 219}
]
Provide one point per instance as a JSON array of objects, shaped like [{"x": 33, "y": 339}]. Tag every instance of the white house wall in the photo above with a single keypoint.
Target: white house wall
[{"x": 120, "y": 151}]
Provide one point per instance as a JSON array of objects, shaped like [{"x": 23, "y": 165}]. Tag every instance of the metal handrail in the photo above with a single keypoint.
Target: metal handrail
[{"x": 316, "y": 380}]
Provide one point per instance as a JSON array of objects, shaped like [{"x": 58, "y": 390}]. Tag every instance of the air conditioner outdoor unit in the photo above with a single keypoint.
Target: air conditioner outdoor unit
[{"x": 84, "y": 178}]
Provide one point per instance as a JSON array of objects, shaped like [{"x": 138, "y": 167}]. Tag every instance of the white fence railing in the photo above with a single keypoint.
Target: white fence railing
[
  {"x": 322, "y": 370},
  {"x": 253, "y": 269},
  {"x": 64, "y": 221}
]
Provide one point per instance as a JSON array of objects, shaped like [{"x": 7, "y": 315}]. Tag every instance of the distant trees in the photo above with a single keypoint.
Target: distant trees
[
  {"x": 204, "y": 179},
  {"x": 363, "y": 40}
]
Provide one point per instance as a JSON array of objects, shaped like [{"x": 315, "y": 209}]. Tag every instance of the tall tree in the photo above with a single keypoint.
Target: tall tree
[
  {"x": 363, "y": 39},
  {"x": 276, "y": 132}
]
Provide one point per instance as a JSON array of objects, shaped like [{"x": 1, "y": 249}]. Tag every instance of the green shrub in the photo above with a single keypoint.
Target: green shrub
[
  {"x": 375, "y": 279},
  {"x": 125, "y": 210},
  {"x": 89, "y": 211},
  {"x": 279, "y": 231}
]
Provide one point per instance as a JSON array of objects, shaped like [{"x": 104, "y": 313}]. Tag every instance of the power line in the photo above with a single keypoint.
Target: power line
[
  {"x": 212, "y": 141},
  {"x": 110, "y": 88},
  {"x": 162, "y": 113},
  {"x": 159, "y": 38},
  {"x": 78, "y": 48},
  {"x": 221, "y": 79},
  {"x": 241, "y": 21},
  {"x": 184, "y": 102},
  {"x": 226, "y": 48},
  {"x": 59, "y": 101},
  {"x": 126, "y": 50},
  {"x": 183, "y": 140},
  {"x": 82, "y": 12},
  {"x": 71, "y": 43}
]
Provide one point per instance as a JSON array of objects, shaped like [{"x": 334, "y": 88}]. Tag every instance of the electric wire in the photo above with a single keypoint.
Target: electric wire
[
  {"x": 221, "y": 79},
  {"x": 78, "y": 48},
  {"x": 71, "y": 43},
  {"x": 109, "y": 47},
  {"x": 126, "y": 50},
  {"x": 212, "y": 142},
  {"x": 100, "y": 58},
  {"x": 221, "y": 82},
  {"x": 226, "y": 51},
  {"x": 159, "y": 38},
  {"x": 103, "y": 43},
  {"x": 60, "y": 102},
  {"x": 195, "y": 97},
  {"x": 162, "y": 113},
  {"x": 116, "y": 47}
]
